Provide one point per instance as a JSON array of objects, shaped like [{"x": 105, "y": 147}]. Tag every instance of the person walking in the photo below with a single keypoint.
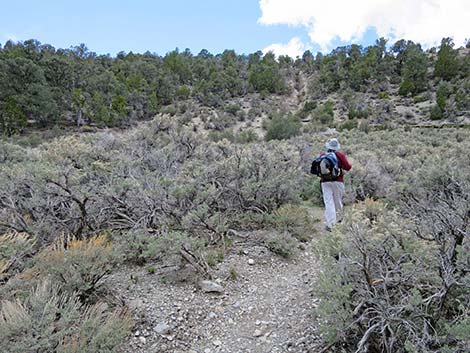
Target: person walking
[{"x": 330, "y": 166}]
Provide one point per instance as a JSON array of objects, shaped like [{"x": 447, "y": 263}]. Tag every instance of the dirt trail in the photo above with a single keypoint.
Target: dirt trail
[{"x": 267, "y": 308}]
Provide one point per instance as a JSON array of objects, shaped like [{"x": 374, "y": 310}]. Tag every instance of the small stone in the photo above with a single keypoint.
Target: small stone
[
  {"x": 264, "y": 339},
  {"x": 245, "y": 252},
  {"x": 212, "y": 315},
  {"x": 137, "y": 333},
  {"x": 162, "y": 328},
  {"x": 257, "y": 333},
  {"x": 142, "y": 340},
  {"x": 251, "y": 262},
  {"x": 217, "y": 343},
  {"x": 135, "y": 304},
  {"x": 211, "y": 287},
  {"x": 207, "y": 350}
]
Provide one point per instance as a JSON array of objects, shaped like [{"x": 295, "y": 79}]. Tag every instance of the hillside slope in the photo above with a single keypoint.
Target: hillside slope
[{"x": 42, "y": 87}]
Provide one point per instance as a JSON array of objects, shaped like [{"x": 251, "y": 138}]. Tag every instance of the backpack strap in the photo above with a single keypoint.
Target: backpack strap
[{"x": 339, "y": 164}]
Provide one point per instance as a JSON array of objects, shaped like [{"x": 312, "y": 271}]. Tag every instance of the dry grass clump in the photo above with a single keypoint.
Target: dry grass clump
[
  {"x": 14, "y": 249},
  {"x": 49, "y": 320},
  {"x": 79, "y": 265},
  {"x": 51, "y": 303}
]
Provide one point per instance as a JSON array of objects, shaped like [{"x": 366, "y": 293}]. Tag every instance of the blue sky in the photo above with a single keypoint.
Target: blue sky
[
  {"x": 109, "y": 26},
  {"x": 291, "y": 26}
]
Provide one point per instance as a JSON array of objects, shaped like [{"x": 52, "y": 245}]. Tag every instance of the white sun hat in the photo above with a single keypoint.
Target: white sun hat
[{"x": 332, "y": 144}]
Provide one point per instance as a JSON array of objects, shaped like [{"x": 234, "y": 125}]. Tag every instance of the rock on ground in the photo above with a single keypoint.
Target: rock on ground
[{"x": 268, "y": 308}]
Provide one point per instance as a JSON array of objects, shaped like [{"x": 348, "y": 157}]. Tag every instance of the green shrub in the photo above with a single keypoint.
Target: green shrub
[
  {"x": 406, "y": 88},
  {"x": 222, "y": 121},
  {"x": 217, "y": 136},
  {"x": 232, "y": 108},
  {"x": 328, "y": 107},
  {"x": 14, "y": 249},
  {"x": 99, "y": 331},
  {"x": 137, "y": 247},
  {"x": 233, "y": 274},
  {"x": 383, "y": 95},
  {"x": 12, "y": 118},
  {"x": 38, "y": 323},
  {"x": 441, "y": 100},
  {"x": 354, "y": 113},
  {"x": 436, "y": 113},
  {"x": 214, "y": 256},
  {"x": 293, "y": 220},
  {"x": 325, "y": 118},
  {"x": 183, "y": 92},
  {"x": 364, "y": 126},
  {"x": 379, "y": 275},
  {"x": 419, "y": 99},
  {"x": 309, "y": 106},
  {"x": 281, "y": 244},
  {"x": 324, "y": 113},
  {"x": 446, "y": 65},
  {"x": 348, "y": 125},
  {"x": 49, "y": 320},
  {"x": 443, "y": 92},
  {"x": 78, "y": 265},
  {"x": 282, "y": 128},
  {"x": 368, "y": 177},
  {"x": 311, "y": 191},
  {"x": 265, "y": 76},
  {"x": 169, "y": 109},
  {"x": 246, "y": 136},
  {"x": 462, "y": 99},
  {"x": 140, "y": 247}
]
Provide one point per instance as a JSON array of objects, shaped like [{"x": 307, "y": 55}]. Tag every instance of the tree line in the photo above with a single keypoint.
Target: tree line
[{"x": 42, "y": 86}]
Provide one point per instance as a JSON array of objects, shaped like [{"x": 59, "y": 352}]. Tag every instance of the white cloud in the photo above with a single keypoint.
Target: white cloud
[
  {"x": 423, "y": 21},
  {"x": 294, "y": 48}
]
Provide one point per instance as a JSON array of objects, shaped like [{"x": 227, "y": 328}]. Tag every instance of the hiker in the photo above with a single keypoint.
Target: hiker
[{"x": 329, "y": 167}]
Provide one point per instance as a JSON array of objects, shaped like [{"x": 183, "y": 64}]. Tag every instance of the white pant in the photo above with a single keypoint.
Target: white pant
[{"x": 333, "y": 192}]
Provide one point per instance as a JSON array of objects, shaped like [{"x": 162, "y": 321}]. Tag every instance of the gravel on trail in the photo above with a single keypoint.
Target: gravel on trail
[{"x": 260, "y": 303}]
